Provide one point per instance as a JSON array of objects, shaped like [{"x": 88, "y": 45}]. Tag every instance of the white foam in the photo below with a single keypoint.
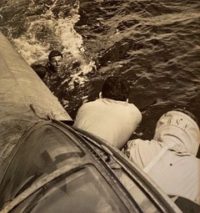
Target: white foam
[{"x": 62, "y": 30}]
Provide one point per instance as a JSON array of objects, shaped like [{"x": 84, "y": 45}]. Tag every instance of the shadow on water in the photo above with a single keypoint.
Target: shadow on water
[{"x": 155, "y": 45}]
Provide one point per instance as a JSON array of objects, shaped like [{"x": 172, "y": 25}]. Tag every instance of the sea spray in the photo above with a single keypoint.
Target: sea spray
[
  {"x": 38, "y": 26},
  {"x": 154, "y": 42},
  {"x": 53, "y": 29}
]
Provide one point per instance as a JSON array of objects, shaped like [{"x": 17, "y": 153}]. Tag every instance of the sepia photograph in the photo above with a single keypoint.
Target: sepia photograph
[{"x": 99, "y": 106}]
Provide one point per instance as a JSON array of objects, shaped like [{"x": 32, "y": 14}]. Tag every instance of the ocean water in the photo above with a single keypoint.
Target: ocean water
[{"x": 154, "y": 44}]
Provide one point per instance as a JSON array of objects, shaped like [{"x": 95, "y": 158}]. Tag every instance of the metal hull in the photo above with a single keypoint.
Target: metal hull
[{"x": 24, "y": 99}]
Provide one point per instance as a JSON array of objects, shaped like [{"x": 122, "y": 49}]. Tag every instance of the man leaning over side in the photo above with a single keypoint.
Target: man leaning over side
[
  {"x": 110, "y": 117},
  {"x": 170, "y": 157}
]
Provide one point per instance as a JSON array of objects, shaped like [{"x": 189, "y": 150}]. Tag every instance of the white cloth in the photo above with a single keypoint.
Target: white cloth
[
  {"x": 169, "y": 158},
  {"x": 113, "y": 121},
  {"x": 177, "y": 175}
]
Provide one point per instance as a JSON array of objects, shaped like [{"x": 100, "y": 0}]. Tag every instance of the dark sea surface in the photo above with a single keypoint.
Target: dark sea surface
[{"x": 154, "y": 44}]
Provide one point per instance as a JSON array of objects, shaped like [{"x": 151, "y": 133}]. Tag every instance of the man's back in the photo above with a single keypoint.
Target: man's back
[{"x": 113, "y": 121}]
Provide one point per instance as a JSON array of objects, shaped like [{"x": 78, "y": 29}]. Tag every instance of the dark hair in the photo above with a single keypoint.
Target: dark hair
[
  {"x": 115, "y": 88},
  {"x": 54, "y": 53}
]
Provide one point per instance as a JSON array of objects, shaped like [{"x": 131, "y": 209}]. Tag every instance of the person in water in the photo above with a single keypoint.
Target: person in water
[
  {"x": 110, "y": 117},
  {"x": 170, "y": 157},
  {"x": 53, "y": 70},
  {"x": 55, "y": 64},
  {"x": 57, "y": 76}
]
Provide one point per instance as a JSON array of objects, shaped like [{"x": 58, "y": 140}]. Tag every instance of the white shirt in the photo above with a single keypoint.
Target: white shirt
[
  {"x": 169, "y": 159},
  {"x": 113, "y": 121}
]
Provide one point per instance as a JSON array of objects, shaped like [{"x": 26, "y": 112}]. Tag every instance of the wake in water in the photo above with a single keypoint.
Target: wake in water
[
  {"x": 36, "y": 28},
  {"x": 154, "y": 44},
  {"x": 49, "y": 31},
  {"x": 41, "y": 26}
]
